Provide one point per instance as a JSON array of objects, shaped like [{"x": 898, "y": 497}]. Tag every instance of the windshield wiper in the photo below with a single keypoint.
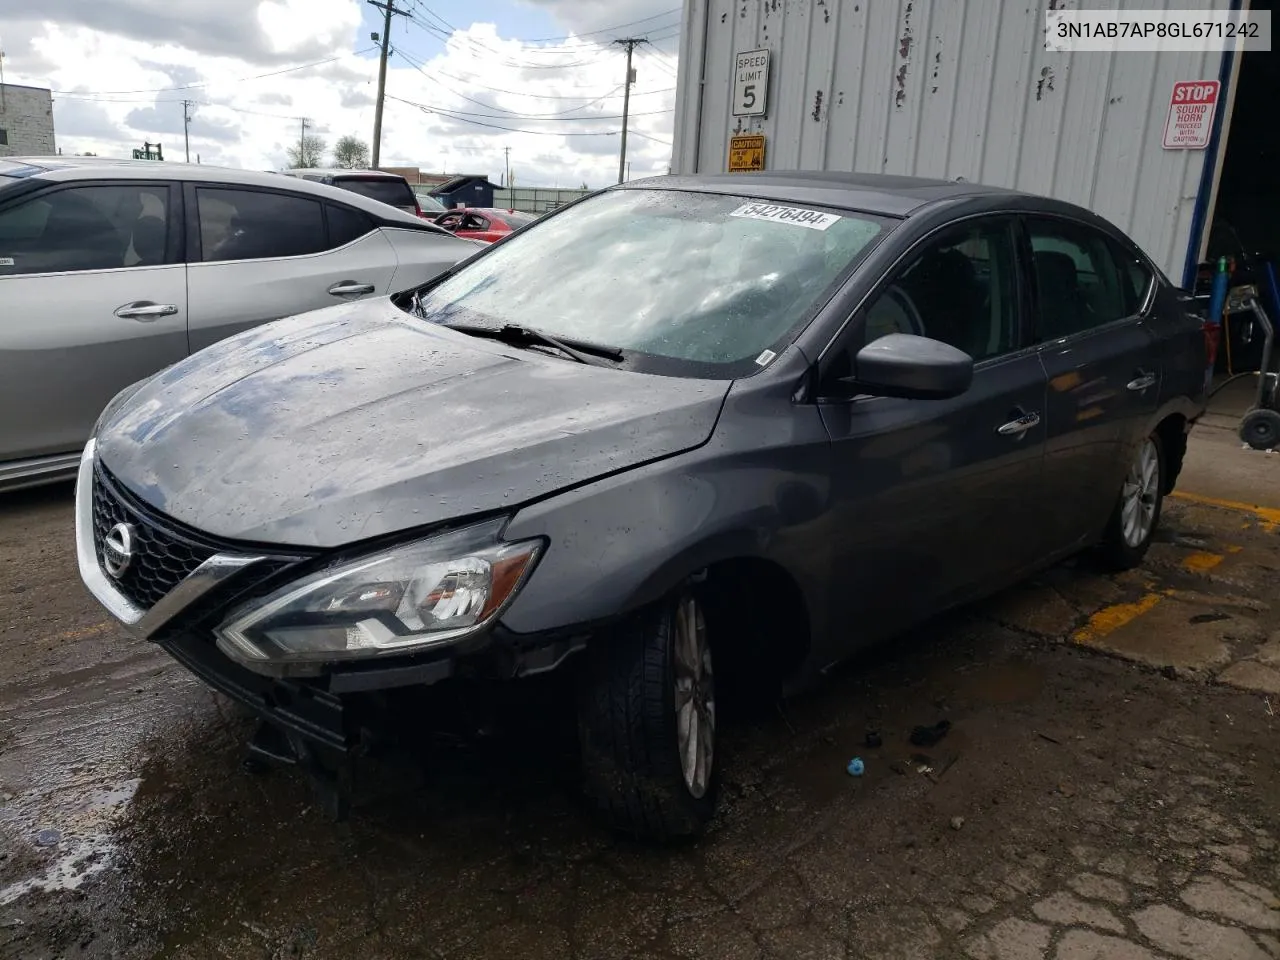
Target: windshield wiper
[{"x": 518, "y": 335}]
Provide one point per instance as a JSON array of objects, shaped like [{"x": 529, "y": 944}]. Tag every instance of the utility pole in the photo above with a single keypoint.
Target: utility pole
[
  {"x": 186, "y": 127},
  {"x": 302, "y": 144},
  {"x": 388, "y": 8},
  {"x": 630, "y": 43},
  {"x": 506, "y": 182}
]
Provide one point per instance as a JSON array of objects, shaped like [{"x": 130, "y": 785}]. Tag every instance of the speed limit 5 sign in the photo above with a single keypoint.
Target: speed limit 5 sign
[{"x": 751, "y": 83}]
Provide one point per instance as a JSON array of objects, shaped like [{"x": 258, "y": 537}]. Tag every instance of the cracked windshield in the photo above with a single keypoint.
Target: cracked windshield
[{"x": 680, "y": 275}]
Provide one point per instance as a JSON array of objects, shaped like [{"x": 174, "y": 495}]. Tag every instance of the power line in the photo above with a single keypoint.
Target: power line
[
  {"x": 418, "y": 4},
  {"x": 534, "y": 118},
  {"x": 462, "y": 119},
  {"x": 195, "y": 103},
  {"x": 659, "y": 62},
  {"x": 516, "y": 114},
  {"x": 205, "y": 83},
  {"x": 588, "y": 33},
  {"x": 502, "y": 57},
  {"x": 637, "y": 133},
  {"x": 536, "y": 96}
]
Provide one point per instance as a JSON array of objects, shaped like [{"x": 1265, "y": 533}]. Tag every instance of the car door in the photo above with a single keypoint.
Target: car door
[
  {"x": 1104, "y": 374},
  {"x": 256, "y": 255},
  {"x": 93, "y": 297},
  {"x": 476, "y": 227},
  {"x": 936, "y": 501}
]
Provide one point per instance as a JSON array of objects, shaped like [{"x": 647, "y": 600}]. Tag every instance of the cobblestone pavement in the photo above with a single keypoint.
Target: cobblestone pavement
[{"x": 1108, "y": 789}]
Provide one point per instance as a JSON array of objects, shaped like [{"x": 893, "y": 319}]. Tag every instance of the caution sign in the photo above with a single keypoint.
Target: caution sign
[
  {"x": 746, "y": 152},
  {"x": 1190, "y": 121}
]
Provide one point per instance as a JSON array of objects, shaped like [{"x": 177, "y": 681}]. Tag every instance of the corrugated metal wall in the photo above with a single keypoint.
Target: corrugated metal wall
[
  {"x": 949, "y": 88},
  {"x": 535, "y": 199}
]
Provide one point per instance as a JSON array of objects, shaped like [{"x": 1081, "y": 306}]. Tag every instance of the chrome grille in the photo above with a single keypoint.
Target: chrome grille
[{"x": 162, "y": 556}]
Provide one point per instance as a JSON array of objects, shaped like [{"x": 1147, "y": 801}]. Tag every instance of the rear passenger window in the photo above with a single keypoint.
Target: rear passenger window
[
  {"x": 1079, "y": 284},
  {"x": 250, "y": 225},
  {"x": 1135, "y": 278},
  {"x": 346, "y": 225}
]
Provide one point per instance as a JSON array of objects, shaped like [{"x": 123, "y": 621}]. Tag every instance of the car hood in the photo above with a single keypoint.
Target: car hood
[{"x": 359, "y": 420}]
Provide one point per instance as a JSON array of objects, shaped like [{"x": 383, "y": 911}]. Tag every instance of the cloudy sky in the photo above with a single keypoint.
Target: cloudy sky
[{"x": 467, "y": 78}]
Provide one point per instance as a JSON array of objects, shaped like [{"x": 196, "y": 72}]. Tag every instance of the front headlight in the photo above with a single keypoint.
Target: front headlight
[{"x": 401, "y": 600}]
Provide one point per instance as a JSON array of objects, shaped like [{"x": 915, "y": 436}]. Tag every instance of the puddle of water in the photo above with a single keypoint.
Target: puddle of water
[{"x": 80, "y": 837}]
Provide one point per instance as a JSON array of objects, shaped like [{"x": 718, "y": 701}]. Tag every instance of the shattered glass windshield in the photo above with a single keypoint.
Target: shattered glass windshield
[{"x": 704, "y": 280}]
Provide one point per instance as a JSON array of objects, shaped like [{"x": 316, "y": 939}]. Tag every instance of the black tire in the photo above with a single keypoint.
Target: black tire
[
  {"x": 1260, "y": 429},
  {"x": 1115, "y": 551},
  {"x": 628, "y": 730}
]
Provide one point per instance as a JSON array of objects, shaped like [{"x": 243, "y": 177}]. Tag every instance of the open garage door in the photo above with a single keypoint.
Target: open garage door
[{"x": 1245, "y": 222}]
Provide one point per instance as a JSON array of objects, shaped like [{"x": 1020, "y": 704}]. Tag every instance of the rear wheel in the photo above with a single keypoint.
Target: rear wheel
[
  {"x": 647, "y": 722},
  {"x": 1128, "y": 534}
]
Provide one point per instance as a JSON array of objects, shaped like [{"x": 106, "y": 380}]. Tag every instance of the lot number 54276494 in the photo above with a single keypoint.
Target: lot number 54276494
[{"x": 751, "y": 83}]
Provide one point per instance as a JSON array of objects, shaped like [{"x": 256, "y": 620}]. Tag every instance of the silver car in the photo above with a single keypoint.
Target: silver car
[{"x": 112, "y": 270}]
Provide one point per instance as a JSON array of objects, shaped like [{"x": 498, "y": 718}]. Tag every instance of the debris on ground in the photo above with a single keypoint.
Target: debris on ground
[
  {"x": 957, "y": 823},
  {"x": 928, "y": 736},
  {"x": 856, "y": 767}
]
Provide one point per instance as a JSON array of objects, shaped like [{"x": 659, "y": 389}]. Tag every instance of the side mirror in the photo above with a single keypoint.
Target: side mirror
[{"x": 917, "y": 368}]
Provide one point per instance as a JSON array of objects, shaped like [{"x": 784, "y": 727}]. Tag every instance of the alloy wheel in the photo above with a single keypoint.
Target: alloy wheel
[
  {"x": 1141, "y": 491},
  {"x": 695, "y": 697}
]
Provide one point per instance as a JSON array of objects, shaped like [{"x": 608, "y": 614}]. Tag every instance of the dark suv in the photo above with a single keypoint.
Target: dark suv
[
  {"x": 389, "y": 188},
  {"x": 687, "y": 438}
]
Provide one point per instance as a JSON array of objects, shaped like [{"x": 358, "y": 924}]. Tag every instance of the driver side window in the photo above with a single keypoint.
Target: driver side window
[{"x": 959, "y": 288}]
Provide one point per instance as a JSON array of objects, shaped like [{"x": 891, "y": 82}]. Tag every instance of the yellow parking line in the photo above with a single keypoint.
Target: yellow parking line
[
  {"x": 1112, "y": 618},
  {"x": 1201, "y": 562},
  {"x": 1269, "y": 516}
]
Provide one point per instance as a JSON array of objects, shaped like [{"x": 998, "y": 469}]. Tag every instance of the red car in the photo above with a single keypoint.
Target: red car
[{"x": 479, "y": 223}]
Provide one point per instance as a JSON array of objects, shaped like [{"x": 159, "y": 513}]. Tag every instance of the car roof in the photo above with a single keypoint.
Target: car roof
[
  {"x": 342, "y": 173},
  {"x": 64, "y": 169},
  {"x": 870, "y": 192}
]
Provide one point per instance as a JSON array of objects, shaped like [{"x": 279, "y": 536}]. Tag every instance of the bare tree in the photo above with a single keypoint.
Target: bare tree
[
  {"x": 351, "y": 153},
  {"x": 309, "y": 152}
]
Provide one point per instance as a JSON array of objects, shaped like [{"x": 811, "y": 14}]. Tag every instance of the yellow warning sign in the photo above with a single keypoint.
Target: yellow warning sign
[{"x": 746, "y": 153}]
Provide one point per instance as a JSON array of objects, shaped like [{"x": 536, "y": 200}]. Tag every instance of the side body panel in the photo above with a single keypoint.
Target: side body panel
[
  {"x": 932, "y": 504},
  {"x": 230, "y": 296}
]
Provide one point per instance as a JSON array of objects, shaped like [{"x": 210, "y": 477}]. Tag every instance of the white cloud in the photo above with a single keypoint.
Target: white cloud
[{"x": 111, "y": 78}]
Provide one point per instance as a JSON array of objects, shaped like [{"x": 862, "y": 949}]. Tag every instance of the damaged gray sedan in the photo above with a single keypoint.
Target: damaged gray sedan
[{"x": 688, "y": 439}]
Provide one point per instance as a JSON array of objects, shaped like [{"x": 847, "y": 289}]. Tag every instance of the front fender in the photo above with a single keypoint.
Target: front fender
[{"x": 620, "y": 543}]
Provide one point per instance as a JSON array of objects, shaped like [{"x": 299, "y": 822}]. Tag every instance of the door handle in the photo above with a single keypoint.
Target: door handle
[
  {"x": 144, "y": 311},
  {"x": 351, "y": 288},
  {"x": 1017, "y": 428},
  {"x": 1145, "y": 381}
]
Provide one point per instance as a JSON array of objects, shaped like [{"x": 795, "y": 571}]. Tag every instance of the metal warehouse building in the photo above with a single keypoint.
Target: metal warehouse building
[{"x": 965, "y": 89}]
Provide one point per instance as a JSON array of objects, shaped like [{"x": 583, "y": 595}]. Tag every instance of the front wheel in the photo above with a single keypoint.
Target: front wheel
[
  {"x": 647, "y": 721},
  {"x": 1128, "y": 534}
]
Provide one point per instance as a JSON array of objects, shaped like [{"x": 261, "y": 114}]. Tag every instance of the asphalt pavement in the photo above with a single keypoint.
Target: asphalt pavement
[{"x": 1108, "y": 787}]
